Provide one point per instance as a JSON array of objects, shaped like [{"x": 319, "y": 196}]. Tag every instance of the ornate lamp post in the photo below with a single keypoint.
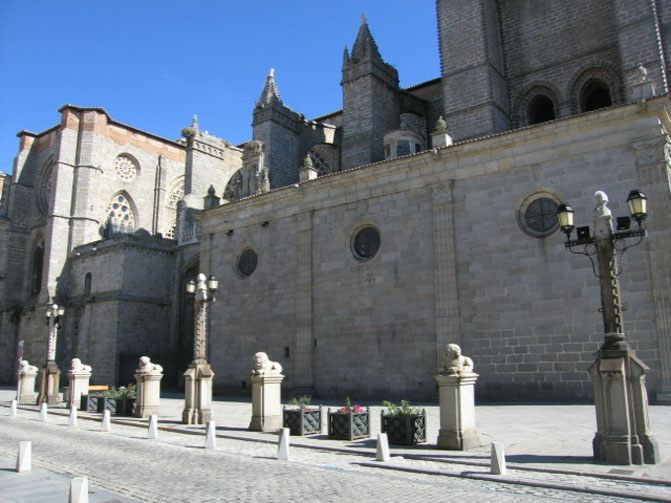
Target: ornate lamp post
[
  {"x": 618, "y": 376},
  {"x": 198, "y": 377},
  {"x": 50, "y": 375}
]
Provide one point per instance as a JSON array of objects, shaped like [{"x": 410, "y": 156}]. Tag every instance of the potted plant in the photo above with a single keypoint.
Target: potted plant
[
  {"x": 349, "y": 422},
  {"x": 119, "y": 401},
  {"x": 403, "y": 424},
  {"x": 302, "y": 420}
]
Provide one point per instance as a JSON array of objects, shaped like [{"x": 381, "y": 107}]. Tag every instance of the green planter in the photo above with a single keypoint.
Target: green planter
[
  {"x": 349, "y": 426},
  {"x": 302, "y": 421},
  {"x": 404, "y": 429}
]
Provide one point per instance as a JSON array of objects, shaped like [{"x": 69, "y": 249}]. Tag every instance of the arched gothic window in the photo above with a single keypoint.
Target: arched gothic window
[
  {"x": 595, "y": 94},
  {"x": 541, "y": 109},
  {"x": 120, "y": 215},
  {"x": 36, "y": 269}
]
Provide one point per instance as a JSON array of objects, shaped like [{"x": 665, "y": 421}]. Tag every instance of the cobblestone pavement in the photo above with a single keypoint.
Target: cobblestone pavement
[{"x": 176, "y": 468}]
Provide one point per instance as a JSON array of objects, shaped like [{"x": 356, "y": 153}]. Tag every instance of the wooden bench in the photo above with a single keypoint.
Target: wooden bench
[{"x": 98, "y": 387}]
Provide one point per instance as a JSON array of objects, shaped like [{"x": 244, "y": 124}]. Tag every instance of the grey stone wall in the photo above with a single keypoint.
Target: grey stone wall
[{"x": 455, "y": 265}]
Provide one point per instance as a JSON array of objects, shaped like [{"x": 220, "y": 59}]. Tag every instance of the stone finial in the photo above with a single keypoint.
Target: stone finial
[
  {"x": 194, "y": 122},
  {"x": 601, "y": 204},
  {"x": 76, "y": 366},
  {"x": 441, "y": 125},
  {"x": 270, "y": 93},
  {"x": 454, "y": 362},
  {"x": 211, "y": 191},
  {"x": 307, "y": 162},
  {"x": 147, "y": 367},
  {"x": 642, "y": 72},
  {"x": 264, "y": 366}
]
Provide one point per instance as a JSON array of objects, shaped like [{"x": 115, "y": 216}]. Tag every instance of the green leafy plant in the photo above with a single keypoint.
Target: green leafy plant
[
  {"x": 121, "y": 392},
  {"x": 403, "y": 410},
  {"x": 301, "y": 401}
]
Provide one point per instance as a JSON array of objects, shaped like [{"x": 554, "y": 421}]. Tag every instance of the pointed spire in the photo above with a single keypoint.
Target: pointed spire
[
  {"x": 365, "y": 46},
  {"x": 194, "y": 122},
  {"x": 345, "y": 56},
  {"x": 270, "y": 92}
]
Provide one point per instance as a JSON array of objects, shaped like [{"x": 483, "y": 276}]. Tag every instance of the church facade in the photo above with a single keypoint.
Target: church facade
[{"x": 354, "y": 246}]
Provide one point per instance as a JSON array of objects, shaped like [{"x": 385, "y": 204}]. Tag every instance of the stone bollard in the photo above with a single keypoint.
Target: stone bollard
[
  {"x": 211, "y": 435},
  {"x": 283, "y": 445},
  {"x": 456, "y": 385},
  {"x": 266, "y": 394},
  {"x": 498, "y": 461},
  {"x": 72, "y": 420},
  {"x": 24, "y": 460},
  {"x": 44, "y": 413},
  {"x": 107, "y": 422},
  {"x": 148, "y": 377},
  {"x": 152, "y": 430},
  {"x": 382, "y": 448},
  {"x": 27, "y": 375},
  {"x": 78, "y": 376},
  {"x": 12, "y": 409},
  {"x": 79, "y": 490}
]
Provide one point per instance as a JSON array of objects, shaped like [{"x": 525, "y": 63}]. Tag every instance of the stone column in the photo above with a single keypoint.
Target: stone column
[
  {"x": 148, "y": 377},
  {"x": 50, "y": 375},
  {"x": 27, "y": 374},
  {"x": 198, "y": 377},
  {"x": 653, "y": 164},
  {"x": 266, "y": 394},
  {"x": 456, "y": 385},
  {"x": 303, "y": 383},
  {"x": 79, "y": 376},
  {"x": 445, "y": 275}
]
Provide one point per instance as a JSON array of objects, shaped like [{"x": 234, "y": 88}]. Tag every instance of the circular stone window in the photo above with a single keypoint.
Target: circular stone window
[
  {"x": 538, "y": 214},
  {"x": 366, "y": 243},
  {"x": 126, "y": 169},
  {"x": 247, "y": 262}
]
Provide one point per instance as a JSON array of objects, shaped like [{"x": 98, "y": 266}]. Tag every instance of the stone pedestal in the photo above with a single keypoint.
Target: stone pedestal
[
  {"x": 79, "y": 376},
  {"x": 457, "y": 411},
  {"x": 50, "y": 378},
  {"x": 266, "y": 402},
  {"x": 198, "y": 394},
  {"x": 148, "y": 377},
  {"x": 623, "y": 429},
  {"x": 27, "y": 375}
]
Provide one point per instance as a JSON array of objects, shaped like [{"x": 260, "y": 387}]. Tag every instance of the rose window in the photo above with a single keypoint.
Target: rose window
[{"x": 125, "y": 167}]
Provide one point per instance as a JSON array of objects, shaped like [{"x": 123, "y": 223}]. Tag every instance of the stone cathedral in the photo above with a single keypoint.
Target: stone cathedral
[{"x": 354, "y": 246}]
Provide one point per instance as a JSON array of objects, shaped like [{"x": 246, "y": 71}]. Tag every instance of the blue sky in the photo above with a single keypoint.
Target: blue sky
[{"x": 152, "y": 64}]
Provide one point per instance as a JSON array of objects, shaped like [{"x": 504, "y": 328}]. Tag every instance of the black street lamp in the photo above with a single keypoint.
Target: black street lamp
[{"x": 618, "y": 376}]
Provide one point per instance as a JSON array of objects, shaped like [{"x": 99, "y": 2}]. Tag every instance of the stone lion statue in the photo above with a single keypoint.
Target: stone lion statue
[
  {"x": 263, "y": 365},
  {"x": 147, "y": 367},
  {"x": 27, "y": 368},
  {"x": 76, "y": 366},
  {"x": 454, "y": 362}
]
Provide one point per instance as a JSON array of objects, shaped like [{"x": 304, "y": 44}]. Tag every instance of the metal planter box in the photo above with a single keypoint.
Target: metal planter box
[
  {"x": 406, "y": 430},
  {"x": 302, "y": 421},
  {"x": 89, "y": 403},
  {"x": 352, "y": 426}
]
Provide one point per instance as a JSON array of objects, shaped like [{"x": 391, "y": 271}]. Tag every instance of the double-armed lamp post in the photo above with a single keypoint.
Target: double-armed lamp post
[
  {"x": 618, "y": 376},
  {"x": 50, "y": 375},
  {"x": 198, "y": 377}
]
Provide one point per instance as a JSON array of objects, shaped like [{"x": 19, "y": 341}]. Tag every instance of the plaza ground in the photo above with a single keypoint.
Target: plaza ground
[{"x": 548, "y": 451}]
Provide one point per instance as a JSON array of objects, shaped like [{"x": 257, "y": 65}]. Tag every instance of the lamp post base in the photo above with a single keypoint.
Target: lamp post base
[
  {"x": 623, "y": 428},
  {"x": 198, "y": 393},
  {"x": 50, "y": 377}
]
